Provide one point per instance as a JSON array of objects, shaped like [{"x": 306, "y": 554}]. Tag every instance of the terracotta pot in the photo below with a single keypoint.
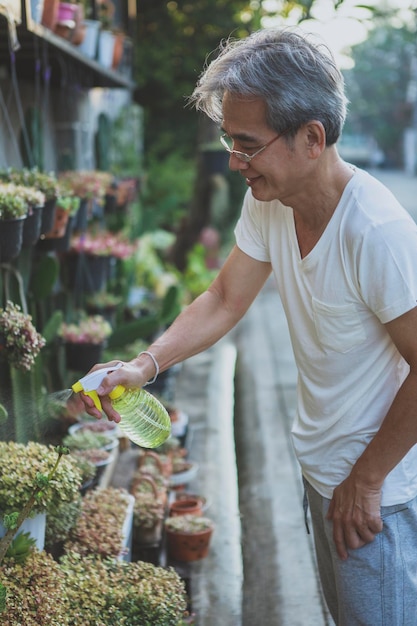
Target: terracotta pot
[
  {"x": 50, "y": 13},
  {"x": 118, "y": 49},
  {"x": 60, "y": 224},
  {"x": 188, "y": 546},
  {"x": 186, "y": 506}
]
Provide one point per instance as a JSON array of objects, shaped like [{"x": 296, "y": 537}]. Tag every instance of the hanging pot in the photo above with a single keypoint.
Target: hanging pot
[
  {"x": 59, "y": 244},
  {"x": 32, "y": 227},
  {"x": 59, "y": 225},
  {"x": 11, "y": 238},
  {"x": 86, "y": 273},
  {"x": 48, "y": 216},
  {"x": 81, "y": 357},
  {"x": 82, "y": 215}
]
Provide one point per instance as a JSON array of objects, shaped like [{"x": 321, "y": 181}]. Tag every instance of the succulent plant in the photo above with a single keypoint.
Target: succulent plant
[
  {"x": 188, "y": 523},
  {"x": 12, "y": 205},
  {"x": 84, "y": 439},
  {"x": 35, "y": 592},
  {"x": 21, "y": 464},
  {"x": 113, "y": 593},
  {"x": 148, "y": 510},
  {"x": 99, "y": 526},
  {"x": 19, "y": 339}
]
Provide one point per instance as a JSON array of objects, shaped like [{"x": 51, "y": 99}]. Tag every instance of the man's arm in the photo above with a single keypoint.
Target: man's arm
[
  {"x": 199, "y": 326},
  {"x": 355, "y": 506}
]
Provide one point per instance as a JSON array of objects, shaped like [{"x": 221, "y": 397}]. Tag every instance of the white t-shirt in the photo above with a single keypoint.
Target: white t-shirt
[{"x": 361, "y": 274}]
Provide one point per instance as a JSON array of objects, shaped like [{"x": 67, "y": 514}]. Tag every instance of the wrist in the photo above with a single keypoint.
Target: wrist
[{"x": 154, "y": 370}]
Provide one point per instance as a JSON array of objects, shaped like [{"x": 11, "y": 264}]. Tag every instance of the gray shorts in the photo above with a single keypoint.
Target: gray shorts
[{"x": 377, "y": 584}]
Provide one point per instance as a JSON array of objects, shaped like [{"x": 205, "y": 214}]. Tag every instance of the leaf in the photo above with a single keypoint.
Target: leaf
[
  {"x": 52, "y": 326},
  {"x": 141, "y": 328},
  {"x": 45, "y": 277}
]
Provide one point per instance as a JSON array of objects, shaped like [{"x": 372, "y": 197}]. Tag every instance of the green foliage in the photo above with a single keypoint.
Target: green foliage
[
  {"x": 44, "y": 279},
  {"x": 146, "y": 325},
  {"x": 126, "y": 142},
  {"x": 20, "y": 548},
  {"x": 168, "y": 189},
  {"x": 197, "y": 277},
  {"x": 377, "y": 87},
  {"x": 52, "y": 326},
  {"x": 111, "y": 593}
]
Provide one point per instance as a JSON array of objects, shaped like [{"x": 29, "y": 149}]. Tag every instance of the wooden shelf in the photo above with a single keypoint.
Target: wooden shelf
[{"x": 42, "y": 50}]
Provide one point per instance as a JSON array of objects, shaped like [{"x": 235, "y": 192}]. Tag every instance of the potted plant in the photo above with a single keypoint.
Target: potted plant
[
  {"x": 58, "y": 237},
  {"x": 148, "y": 513},
  {"x": 85, "y": 439},
  {"x": 20, "y": 467},
  {"x": 188, "y": 537},
  {"x": 107, "y": 592},
  {"x": 13, "y": 211},
  {"x": 91, "y": 257},
  {"x": 20, "y": 343},
  {"x": 45, "y": 182},
  {"x": 35, "y": 593},
  {"x": 84, "y": 341},
  {"x": 104, "y": 303},
  {"x": 35, "y": 200},
  {"x": 104, "y": 524},
  {"x": 90, "y": 590}
]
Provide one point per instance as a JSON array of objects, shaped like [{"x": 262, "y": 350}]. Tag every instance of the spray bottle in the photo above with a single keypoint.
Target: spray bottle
[{"x": 143, "y": 418}]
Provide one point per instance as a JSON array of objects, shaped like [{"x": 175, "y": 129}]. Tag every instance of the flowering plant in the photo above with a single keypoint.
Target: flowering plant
[
  {"x": 90, "y": 329},
  {"x": 47, "y": 183},
  {"x": 21, "y": 341},
  {"x": 103, "y": 243},
  {"x": 87, "y": 184}
]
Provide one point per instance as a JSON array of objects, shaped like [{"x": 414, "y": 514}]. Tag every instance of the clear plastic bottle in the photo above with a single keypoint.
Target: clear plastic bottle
[{"x": 143, "y": 418}]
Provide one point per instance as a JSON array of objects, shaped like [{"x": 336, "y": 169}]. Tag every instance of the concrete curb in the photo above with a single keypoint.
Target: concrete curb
[{"x": 216, "y": 581}]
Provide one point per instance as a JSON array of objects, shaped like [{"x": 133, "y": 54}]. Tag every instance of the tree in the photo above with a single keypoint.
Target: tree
[{"x": 377, "y": 87}]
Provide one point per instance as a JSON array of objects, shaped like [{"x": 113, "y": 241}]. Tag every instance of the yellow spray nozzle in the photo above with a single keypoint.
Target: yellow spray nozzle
[
  {"x": 89, "y": 384},
  {"x": 94, "y": 396}
]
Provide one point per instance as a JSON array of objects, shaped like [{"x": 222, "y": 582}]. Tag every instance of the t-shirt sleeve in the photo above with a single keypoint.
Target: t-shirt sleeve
[
  {"x": 388, "y": 269},
  {"x": 248, "y": 231}
]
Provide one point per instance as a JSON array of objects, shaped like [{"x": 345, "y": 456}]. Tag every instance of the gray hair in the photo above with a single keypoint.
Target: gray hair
[{"x": 298, "y": 80}]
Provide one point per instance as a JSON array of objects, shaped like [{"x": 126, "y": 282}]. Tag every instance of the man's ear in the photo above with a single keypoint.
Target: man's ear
[{"x": 315, "y": 138}]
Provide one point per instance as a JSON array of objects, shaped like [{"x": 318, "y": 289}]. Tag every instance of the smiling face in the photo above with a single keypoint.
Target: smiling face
[{"x": 270, "y": 175}]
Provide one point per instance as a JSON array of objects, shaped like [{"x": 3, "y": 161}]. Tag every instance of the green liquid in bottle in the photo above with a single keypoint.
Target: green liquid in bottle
[{"x": 143, "y": 418}]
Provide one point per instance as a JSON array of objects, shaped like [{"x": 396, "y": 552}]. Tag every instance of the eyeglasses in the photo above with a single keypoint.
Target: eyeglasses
[{"x": 227, "y": 142}]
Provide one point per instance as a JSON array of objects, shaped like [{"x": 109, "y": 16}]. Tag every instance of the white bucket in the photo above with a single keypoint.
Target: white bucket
[
  {"x": 35, "y": 526},
  {"x": 89, "y": 44},
  {"x": 106, "y": 48}
]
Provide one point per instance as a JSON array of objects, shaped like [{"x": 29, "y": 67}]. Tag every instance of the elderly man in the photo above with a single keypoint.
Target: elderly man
[{"x": 344, "y": 256}]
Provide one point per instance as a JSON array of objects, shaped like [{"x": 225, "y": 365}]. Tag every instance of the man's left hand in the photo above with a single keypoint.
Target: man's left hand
[{"x": 356, "y": 515}]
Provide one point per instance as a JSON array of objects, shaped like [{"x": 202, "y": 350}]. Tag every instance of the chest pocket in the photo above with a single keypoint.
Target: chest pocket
[{"x": 338, "y": 327}]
